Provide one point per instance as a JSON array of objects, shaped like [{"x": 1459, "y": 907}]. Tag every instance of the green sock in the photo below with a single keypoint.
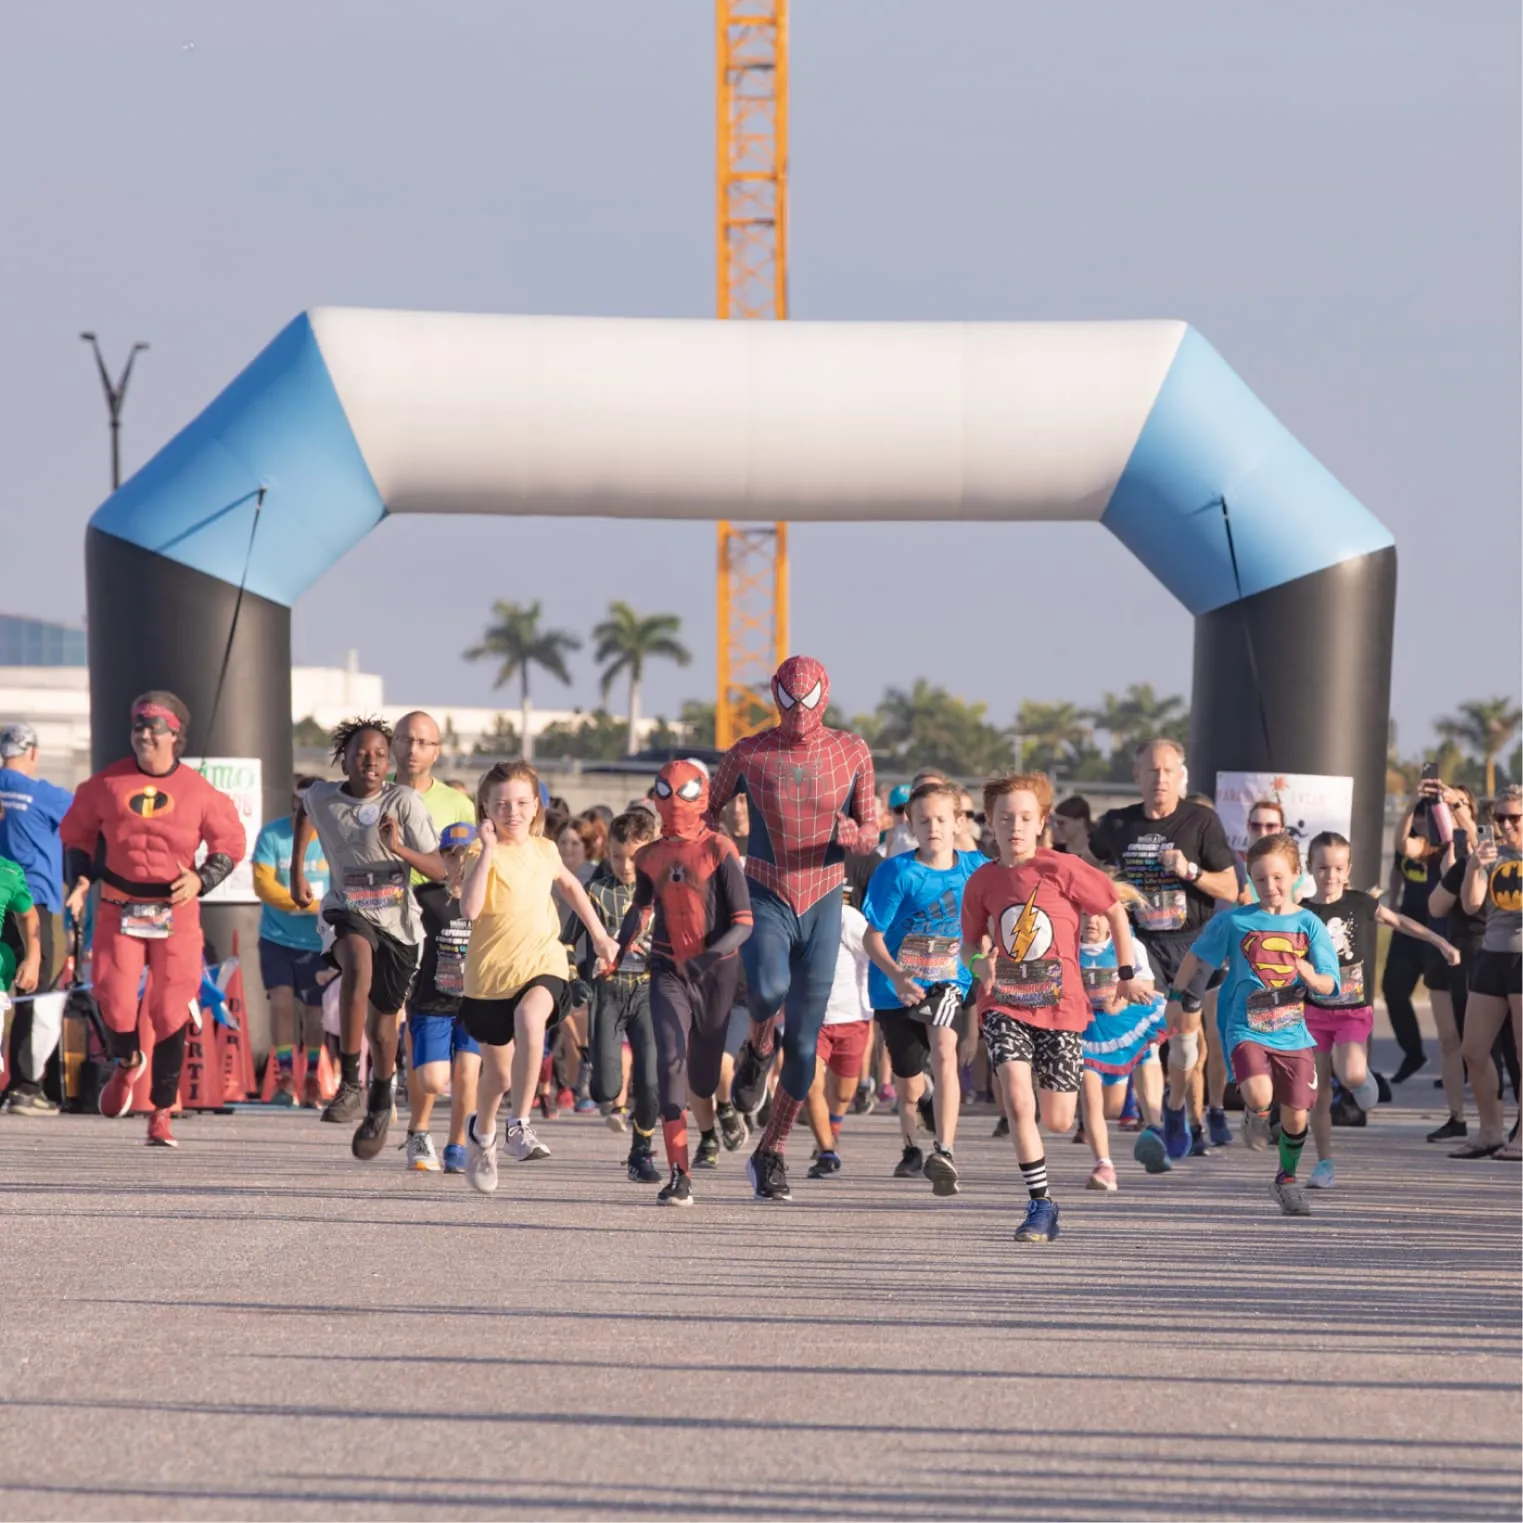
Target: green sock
[
  {"x": 1290, "y": 1151},
  {"x": 284, "y": 1058}
]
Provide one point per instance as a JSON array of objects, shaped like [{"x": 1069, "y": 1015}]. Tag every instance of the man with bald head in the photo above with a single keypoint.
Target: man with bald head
[
  {"x": 1175, "y": 853},
  {"x": 415, "y": 753}
]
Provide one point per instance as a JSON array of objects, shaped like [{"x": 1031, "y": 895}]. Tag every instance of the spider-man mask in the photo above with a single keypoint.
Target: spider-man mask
[
  {"x": 682, "y": 798},
  {"x": 801, "y": 689}
]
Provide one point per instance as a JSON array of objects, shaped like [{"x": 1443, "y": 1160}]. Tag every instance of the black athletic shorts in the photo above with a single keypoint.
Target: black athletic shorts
[
  {"x": 908, "y": 1041},
  {"x": 1498, "y": 973},
  {"x": 393, "y": 963},
  {"x": 1436, "y": 972},
  {"x": 490, "y": 1021}
]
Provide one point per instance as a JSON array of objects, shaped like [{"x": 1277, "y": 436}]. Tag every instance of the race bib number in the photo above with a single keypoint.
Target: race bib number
[
  {"x": 148, "y": 922},
  {"x": 1099, "y": 985},
  {"x": 1163, "y": 910},
  {"x": 1350, "y": 988},
  {"x": 1034, "y": 985},
  {"x": 930, "y": 959},
  {"x": 374, "y": 890},
  {"x": 449, "y": 965},
  {"x": 1271, "y": 1010}
]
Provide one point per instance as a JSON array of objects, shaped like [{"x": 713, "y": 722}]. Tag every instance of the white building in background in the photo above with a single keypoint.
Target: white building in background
[{"x": 55, "y": 700}]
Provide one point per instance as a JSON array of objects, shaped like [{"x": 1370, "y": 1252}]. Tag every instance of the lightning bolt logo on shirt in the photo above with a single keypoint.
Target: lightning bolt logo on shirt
[{"x": 1026, "y": 932}]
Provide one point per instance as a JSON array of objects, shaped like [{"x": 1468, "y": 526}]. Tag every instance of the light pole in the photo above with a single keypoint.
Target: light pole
[{"x": 115, "y": 396}]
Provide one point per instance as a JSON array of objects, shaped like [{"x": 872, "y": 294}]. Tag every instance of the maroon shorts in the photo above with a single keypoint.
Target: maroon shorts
[
  {"x": 841, "y": 1047},
  {"x": 1293, "y": 1074}
]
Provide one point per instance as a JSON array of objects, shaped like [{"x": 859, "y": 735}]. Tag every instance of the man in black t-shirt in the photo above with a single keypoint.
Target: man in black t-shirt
[{"x": 1176, "y": 855}]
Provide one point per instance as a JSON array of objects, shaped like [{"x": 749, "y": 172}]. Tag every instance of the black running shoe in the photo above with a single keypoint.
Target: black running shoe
[
  {"x": 1409, "y": 1066},
  {"x": 1452, "y": 1129},
  {"x": 642, "y": 1167},
  {"x": 925, "y": 1108},
  {"x": 912, "y": 1165},
  {"x": 347, "y": 1105},
  {"x": 748, "y": 1087},
  {"x": 768, "y": 1175},
  {"x": 1001, "y": 1128},
  {"x": 763, "y": 1114},
  {"x": 370, "y": 1134},
  {"x": 826, "y": 1166},
  {"x": 677, "y": 1191},
  {"x": 707, "y": 1156},
  {"x": 733, "y": 1131},
  {"x": 941, "y": 1171}
]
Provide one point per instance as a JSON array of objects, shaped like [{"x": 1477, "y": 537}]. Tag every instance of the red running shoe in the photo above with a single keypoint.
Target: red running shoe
[
  {"x": 116, "y": 1093},
  {"x": 159, "y": 1134},
  {"x": 565, "y": 1100}
]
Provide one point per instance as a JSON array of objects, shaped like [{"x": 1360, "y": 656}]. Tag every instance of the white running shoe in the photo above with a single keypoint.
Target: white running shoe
[
  {"x": 421, "y": 1157},
  {"x": 481, "y": 1164},
  {"x": 525, "y": 1144},
  {"x": 1323, "y": 1176}
]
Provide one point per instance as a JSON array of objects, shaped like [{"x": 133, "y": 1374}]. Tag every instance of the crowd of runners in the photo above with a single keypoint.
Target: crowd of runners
[{"x": 777, "y": 943}]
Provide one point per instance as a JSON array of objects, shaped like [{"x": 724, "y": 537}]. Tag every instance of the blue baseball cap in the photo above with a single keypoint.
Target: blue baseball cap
[
  {"x": 900, "y": 797},
  {"x": 454, "y": 837}
]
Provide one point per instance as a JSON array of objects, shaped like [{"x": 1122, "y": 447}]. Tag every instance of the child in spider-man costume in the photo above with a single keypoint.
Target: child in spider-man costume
[
  {"x": 812, "y": 800},
  {"x": 691, "y": 879}
]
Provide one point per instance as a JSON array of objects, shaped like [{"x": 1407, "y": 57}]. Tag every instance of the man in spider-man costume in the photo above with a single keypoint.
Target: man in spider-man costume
[
  {"x": 691, "y": 879},
  {"x": 811, "y": 797},
  {"x": 135, "y": 828}
]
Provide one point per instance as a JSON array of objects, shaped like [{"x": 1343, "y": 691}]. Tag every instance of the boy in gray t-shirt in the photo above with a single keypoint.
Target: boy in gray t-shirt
[{"x": 374, "y": 833}]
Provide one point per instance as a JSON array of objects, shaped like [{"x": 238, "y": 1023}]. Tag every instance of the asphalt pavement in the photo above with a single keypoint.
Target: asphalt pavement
[{"x": 258, "y": 1326}]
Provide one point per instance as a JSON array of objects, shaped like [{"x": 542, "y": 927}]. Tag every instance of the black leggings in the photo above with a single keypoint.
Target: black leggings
[
  {"x": 1404, "y": 967},
  {"x": 692, "y": 1018},
  {"x": 620, "y": 1011}
]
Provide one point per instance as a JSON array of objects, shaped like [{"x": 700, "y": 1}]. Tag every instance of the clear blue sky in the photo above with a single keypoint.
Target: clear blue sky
[{"x": 1329, "y": 192}]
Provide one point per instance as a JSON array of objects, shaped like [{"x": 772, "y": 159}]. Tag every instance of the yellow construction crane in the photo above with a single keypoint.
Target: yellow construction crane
[{"x": 752, "y": 216}]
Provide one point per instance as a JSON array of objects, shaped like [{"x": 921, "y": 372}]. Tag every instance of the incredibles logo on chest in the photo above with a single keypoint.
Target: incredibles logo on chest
[{"x": 150, "y": 803}]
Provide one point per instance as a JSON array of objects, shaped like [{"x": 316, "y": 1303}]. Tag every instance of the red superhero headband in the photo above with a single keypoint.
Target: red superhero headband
[{"x": 157, "y": 711}]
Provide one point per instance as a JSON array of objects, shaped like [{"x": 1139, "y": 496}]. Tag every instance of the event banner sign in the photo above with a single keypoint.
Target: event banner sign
[
  {"x": 241, "y": 778},
  {"x": 1312, "y": 804}
]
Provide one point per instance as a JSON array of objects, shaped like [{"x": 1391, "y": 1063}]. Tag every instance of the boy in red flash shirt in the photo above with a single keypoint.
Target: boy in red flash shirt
[{"x": 1020, "y": 937}]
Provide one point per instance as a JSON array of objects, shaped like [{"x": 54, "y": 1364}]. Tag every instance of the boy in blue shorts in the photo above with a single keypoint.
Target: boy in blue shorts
[
  {"x": 1276, "y": 954},
  {"x": 291, "y": 952},
  {"x": 919, "y": 981},
  {"x": 443, "y": 1051}
]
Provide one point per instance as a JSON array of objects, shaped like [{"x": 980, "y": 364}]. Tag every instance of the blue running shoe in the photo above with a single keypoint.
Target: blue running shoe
[
  {"x": 454, "y": 1158},
  {"x": 1129, "y": 1109},
  {"x": 1041, "y": 1224},
  {"x": 1150, "y": 1152},
  {"x": 1221, "y": 1130},
  {"x": 1176, "y": 1133}
]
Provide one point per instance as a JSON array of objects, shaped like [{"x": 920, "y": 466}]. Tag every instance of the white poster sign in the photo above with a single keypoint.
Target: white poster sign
[
  {"x": 241, "y": 778},
  {"x": 1312, "y": 804}
]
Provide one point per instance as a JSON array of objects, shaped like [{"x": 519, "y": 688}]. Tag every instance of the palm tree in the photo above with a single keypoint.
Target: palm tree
[
  {"x": 626, "y": 641},
  {"x": 516, "y": 642},
  {"x": 1483, "y": 726},
  {"x": 1054, "y": 736}
]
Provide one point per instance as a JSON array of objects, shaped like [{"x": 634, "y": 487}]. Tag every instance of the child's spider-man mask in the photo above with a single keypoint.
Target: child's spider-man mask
[
  {"x": 682, "y": 798},
  {"x": 801, "y": 689}
]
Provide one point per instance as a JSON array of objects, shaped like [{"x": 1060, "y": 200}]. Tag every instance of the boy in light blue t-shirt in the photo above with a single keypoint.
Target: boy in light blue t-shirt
[{"x": 1275, "y": 953}]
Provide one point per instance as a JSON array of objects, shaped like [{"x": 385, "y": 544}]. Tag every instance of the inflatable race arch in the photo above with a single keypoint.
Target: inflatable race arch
[{"x": 348, "y": 415}]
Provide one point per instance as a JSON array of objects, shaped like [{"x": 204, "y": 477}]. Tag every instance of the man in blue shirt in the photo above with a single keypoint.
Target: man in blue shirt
[
  {"x": 30, "y": 812},
  {"x": 291, "y": 952},
  {"x": 918, "y": 981}
]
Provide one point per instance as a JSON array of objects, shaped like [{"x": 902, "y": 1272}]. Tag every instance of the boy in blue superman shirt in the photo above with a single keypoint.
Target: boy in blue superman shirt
[{"x": 1275, "y": 953}]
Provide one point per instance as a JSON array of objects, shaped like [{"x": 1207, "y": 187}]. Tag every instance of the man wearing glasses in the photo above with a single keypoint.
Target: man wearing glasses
[{"x": 136, "y": 828}]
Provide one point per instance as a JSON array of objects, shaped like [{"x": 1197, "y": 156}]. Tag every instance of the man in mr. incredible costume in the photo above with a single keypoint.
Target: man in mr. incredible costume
[
  {"x": 811, "y": 797},
  {"x": 692, "y": 880},
  {"x": 136, "y": 828}
]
